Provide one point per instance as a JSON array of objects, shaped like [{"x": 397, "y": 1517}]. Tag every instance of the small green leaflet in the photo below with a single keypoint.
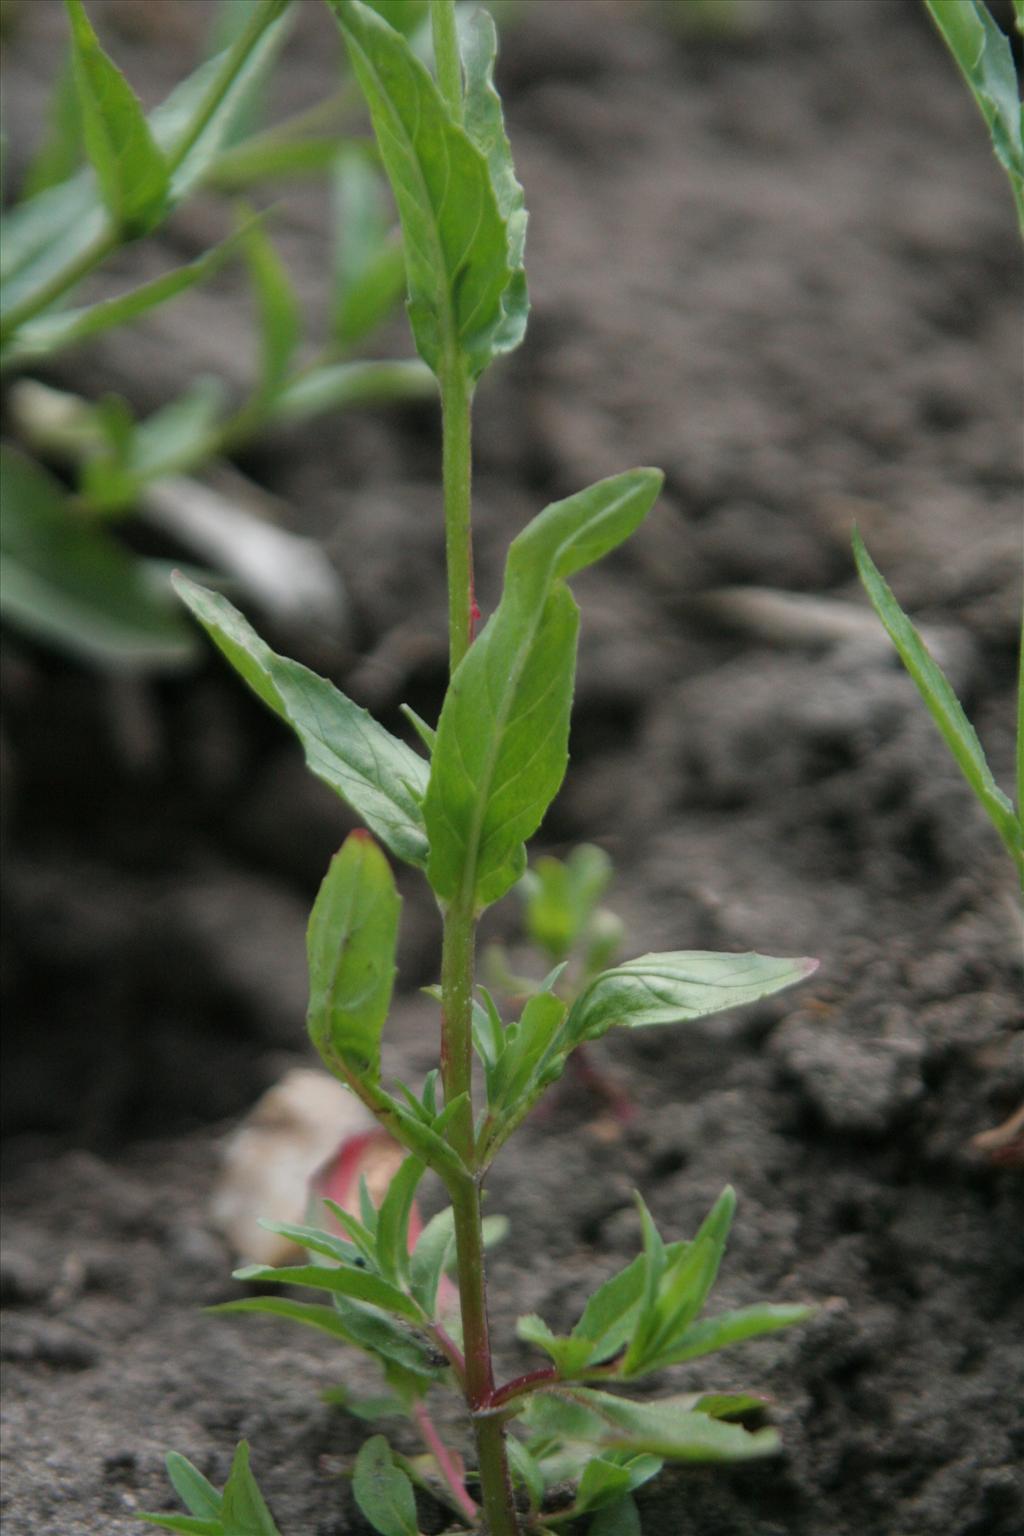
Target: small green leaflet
[
  {"x": 943, "y": 705},
  {"x": 132, "y": 172},
  {"x": 381, "y": 778},
  {"x": 679, "y": 985},
  {"x": 467, "y": 294},
  {"x": 193, "y": 1489},
  {"x": 351, "y": 940},
  {"x": 985, "y": 58},
  {"x": 502, "y": 739},
  {"x": 240, "y": 1511},
  {"x": 383, "y": 1491},
  {"x": 244, "y": 1512}
]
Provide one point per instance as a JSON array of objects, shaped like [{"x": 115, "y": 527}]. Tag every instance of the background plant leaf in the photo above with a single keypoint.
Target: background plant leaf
[
  {"x": 985, "y": 58},
  {"x": 943, "y": 705},
  {"x": 131, "y": 170},
  {"x": 65, "y": 581}
]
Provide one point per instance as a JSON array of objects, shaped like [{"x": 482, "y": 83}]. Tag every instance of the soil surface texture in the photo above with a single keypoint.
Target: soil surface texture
[{"x": 780, "y": 262}]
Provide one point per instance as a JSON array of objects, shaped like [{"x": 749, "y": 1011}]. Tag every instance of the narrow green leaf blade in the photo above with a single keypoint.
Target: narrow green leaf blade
[
  {"x": 277, "y": 306},
  {"x": 711, "y": 1334},
  {"x": 663, "y": 1428},
  {"x": 353, "y": 931},
  {"x": 368, "y": 265},
  {"x": 393, "y": 1221},
  {"x": 194, "y": 1490},
  {"x": 458, "y": 261},
  {"x": 985, "y": 59},
  {"x": 244, "y": 1511},
  {"x": 943, "y": 705},
  {"x": 339, "y": 386},
  {"x": 197, "y": 119},
  {"x": 502, "y": 739},
  {"x": 66, "y": 582},
  {"x": 354, "y": 1283},
  {"x": 383, "y": 1491},
  {"x": 50, "y": 333},
  {"x": 312, "y": 1314},
  {"x": 678, "y": 986},
  {"x": 381, "y": 778},
  {"x": 129, "y": 166},
  {"x": 189, "y": 1525},
  {"x": 429, "y": 1257},
  {"x": 484, "y": 122}
]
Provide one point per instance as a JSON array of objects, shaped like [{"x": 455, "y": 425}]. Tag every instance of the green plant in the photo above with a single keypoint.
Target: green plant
[
  {"x": 66, "y": 579},
  {"x": 985, "y": 58},
  {"x": 461, "y": 814}
]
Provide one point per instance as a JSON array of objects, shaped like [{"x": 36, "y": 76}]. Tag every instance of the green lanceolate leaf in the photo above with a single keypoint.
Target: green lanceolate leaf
[
  {"x": 340, "y": 385},
  {"x": 312, "y": 1314},
  {"x": 381, "y": 778},
  {"x": 943, "y": 705},
  {"x": 682, "y": 1288},
  {"x": 393, "y": 1222},
  {"x": 278, "y": 308},
  {"x": 369, "y": 266},
  {"x": 429, "y": 1258},
  {"x": 357, "y": 1284},
  {"x": 502, "y": 739},
  {"x": 485, "y": 124},
  {"x": 197, "y": 119},
  {"x": 608, "y": 1480},
  {"x": 986, "y": 62},
  {"x": 50, "y": 333},
  {"x": 383, "y": 1491},
  {"x": 244, "y": 1511},
  {"x": 711, "y": 1334},
  {"x": 570, "y": 1355},
  {"x": 353, "y": 930},
  {"x": 195, "y": 1491},
  {"x": 561, "y": 896},
  {"x": 675, "y": 987},
  {"x": 668, "y": 1429},
  {"x": 131, "y": 170},
  {"x": 66, "y": 582},
  {"x": 464, "y": 283}
]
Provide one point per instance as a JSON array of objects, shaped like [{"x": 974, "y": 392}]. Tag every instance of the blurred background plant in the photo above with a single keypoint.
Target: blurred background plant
[{"x": 68, "y": 579}]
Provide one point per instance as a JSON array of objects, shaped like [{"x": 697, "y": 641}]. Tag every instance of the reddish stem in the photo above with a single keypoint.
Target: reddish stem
[
  {"x": 522, "y": 1384},
  {"x": 445, "y": 1463}
]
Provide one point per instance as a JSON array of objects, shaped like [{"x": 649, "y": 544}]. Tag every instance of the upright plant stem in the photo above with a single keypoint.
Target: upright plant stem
[{"x": 456, "y": 404}]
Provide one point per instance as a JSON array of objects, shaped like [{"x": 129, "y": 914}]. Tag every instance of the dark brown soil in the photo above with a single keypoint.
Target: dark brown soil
[{"x": 783, "y": 266}]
